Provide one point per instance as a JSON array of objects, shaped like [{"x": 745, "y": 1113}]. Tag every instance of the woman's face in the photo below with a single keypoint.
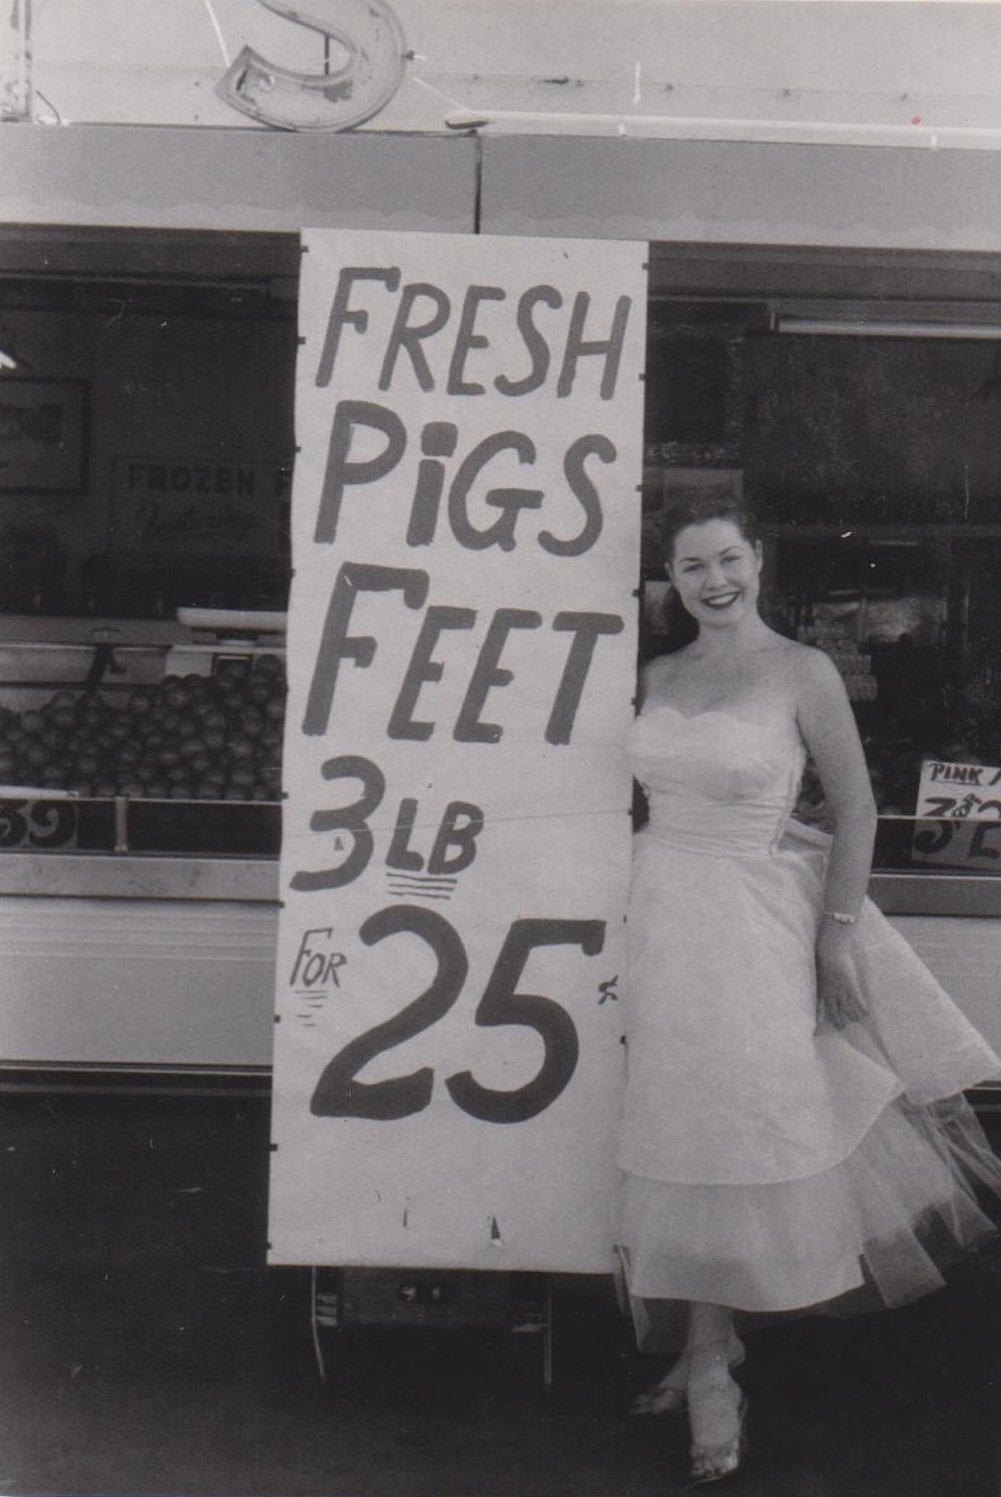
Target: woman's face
[{"x": 716, "y": 571}]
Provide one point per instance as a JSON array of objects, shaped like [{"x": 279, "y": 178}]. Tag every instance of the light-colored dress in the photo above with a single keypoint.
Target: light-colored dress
[{"x": 766, "y": 1167}]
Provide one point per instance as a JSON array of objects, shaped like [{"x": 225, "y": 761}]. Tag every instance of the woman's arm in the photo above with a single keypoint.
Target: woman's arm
[{"x": 827, "y": 724}]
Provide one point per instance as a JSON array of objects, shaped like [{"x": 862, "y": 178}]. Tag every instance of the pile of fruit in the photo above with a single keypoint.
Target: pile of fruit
[{"x": 192, "y": 737}]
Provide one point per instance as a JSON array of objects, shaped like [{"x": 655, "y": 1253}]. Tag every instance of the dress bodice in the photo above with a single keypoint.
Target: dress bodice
[{"x": 717, "y": 783}]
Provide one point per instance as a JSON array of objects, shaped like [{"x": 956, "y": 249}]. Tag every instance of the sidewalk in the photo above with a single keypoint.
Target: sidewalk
[{"x": 144, "y": 1349}]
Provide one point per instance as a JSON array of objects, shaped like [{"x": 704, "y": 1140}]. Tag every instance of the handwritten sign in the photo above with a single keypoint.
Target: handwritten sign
[
  {"x": 959, "y": 791},
  {"x": 462, "y": 646},
  {"x": 181, "y": 505},
  {"x": 962, "y": 807},
  {"x": 973, "y": 844}
]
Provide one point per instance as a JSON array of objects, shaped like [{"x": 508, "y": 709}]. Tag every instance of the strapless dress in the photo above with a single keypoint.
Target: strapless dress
[{"x": 765, "y": 1166}]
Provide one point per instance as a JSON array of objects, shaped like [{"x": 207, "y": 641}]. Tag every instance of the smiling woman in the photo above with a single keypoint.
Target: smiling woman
[
  {"x": 716, "y": 571},
  {"x": 785, "y": 1141}
]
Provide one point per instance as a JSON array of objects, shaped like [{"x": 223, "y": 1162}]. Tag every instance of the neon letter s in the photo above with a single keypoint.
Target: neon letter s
[{"x": 374, "y": 40}]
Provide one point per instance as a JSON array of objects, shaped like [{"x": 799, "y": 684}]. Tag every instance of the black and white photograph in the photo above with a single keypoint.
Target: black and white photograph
[{"x": 500, "y": 748}]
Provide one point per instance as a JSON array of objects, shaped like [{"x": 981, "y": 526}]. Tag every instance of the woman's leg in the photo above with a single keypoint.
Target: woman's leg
[
  {"x": 710, "y": 1336},
  {"x": 669, "y": 1395},
  {"x": 715, "y": 1401}
]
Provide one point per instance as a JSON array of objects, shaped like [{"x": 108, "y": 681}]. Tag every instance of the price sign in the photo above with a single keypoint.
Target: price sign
[
  {"x": 462, "y": 645},
  {"x": 959, "y": 791},
  {"x": 963, "y": 805},
  {"x": 37, "y": 825},
  {"x": 974, "y": 844}
]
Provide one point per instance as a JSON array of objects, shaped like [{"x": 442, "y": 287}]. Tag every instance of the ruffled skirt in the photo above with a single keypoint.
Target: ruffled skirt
[
  {"x": 876, "y": 1230},
  {"x": 902, "y": 1182}
]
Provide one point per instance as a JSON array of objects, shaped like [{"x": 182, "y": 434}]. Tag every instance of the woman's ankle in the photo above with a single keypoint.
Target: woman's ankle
[{"x": 709, "y": 1370}]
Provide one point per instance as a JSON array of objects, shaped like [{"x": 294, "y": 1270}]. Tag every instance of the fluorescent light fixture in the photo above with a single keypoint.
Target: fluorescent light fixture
[
  {"x": 876, "y": 328},
  {"x": 7, "y": 360}
]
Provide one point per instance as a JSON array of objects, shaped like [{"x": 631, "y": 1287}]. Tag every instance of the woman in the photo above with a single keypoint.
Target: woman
[{"x": 783, "y": 1141}]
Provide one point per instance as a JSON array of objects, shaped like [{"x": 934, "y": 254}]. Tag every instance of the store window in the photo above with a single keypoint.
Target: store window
[
  {"x": 868, "y": 440},
  {"x": 146, "y": 433},
  {"x": 146, "y": 452}
]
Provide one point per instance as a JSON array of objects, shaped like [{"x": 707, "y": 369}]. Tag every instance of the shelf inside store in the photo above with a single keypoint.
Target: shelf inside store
[
  {"x": 33, "y": 821},
  {"x": 139, "y": 876}
]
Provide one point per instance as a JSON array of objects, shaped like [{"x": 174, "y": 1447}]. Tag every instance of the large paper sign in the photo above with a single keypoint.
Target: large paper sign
[{"x": 462, "y": 651}]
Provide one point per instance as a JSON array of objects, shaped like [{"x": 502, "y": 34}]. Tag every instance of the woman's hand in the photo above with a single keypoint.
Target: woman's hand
[{"x": 839, "y": 995}]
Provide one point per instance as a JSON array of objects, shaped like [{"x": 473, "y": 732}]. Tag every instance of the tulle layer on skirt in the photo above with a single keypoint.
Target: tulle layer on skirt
[{"x": 876, "y": 1230}]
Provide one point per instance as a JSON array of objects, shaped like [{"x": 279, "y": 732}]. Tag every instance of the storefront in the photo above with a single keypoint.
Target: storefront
[{"x": 823, "y": 325}]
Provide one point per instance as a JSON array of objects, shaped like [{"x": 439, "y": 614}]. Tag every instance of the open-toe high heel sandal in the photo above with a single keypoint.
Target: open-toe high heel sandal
[
  {"x": 719, "y": 1459},
  {"x": 670, "y": 1394},
  {"x": 664, "y": 1397}
]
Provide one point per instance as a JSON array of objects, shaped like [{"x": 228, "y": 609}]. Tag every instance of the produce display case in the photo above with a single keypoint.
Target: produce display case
[
  {"x": 140, "y": 826},
  {"x": 104, "y": 712}
]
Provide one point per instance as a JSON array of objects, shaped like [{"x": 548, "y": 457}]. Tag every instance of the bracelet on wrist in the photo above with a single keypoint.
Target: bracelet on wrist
[{"x": 840, "y": 918}]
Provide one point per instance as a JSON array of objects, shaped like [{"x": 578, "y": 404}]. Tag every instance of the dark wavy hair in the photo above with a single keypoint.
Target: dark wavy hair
[
  {"x": 696, "y": 508},
  {"x": 693, "y": 508}
]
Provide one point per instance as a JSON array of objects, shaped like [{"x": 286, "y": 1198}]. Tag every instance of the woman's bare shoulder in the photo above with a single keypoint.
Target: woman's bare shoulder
[
  {"x": 808, "y": 674},
  {"x": 805, "y": 664}
]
